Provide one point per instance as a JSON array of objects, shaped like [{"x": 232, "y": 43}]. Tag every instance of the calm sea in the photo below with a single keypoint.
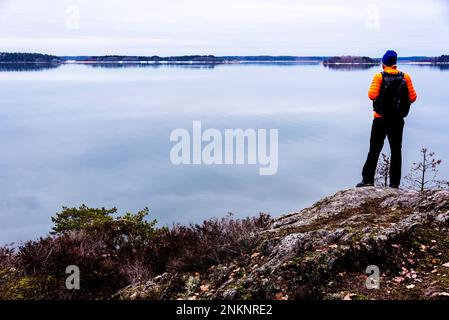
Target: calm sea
[{"x": 99, "y": 136}]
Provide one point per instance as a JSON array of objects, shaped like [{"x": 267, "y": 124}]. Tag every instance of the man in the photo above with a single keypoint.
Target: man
[{"x": 392, "y": 93}]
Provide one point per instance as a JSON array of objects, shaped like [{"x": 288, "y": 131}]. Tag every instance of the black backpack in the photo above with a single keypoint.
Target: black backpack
[{"x": 393, "y": 100}]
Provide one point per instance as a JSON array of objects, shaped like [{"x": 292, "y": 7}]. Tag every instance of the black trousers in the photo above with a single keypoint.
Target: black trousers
[{"x": 382, "y": 128}]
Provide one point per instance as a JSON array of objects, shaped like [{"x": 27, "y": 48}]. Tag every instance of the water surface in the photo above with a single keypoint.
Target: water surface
[{"x": 98, "y": 136}]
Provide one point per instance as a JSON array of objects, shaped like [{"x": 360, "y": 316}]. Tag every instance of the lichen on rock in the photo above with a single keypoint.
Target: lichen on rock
[{"x": 322, "y": 252}]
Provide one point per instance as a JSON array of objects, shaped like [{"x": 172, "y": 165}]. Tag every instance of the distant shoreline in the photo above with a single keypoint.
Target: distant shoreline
[
  {"x": 37, "y": 58},
  {"x": 215, "y": 63}
]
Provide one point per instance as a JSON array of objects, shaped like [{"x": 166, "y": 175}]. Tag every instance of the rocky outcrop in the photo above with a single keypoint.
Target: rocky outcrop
[{"x": 322, "y": 252}]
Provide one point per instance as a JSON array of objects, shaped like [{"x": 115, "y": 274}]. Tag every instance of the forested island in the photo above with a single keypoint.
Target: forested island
[
  {"x": 350, "y": 60},
  {"x": 273, "y": 59},
  {"x": 429, "y": 60},
  {"x": 204, "y": 59},
  {"x": 18, "y": 57},
  {"x": 188, "y": 59},
  {"x": 442, "y": 59},
  {"x": 7, "y": 57}
]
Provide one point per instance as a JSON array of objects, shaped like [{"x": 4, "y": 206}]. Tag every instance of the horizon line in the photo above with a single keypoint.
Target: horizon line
[{"x": 213, "y": 55}]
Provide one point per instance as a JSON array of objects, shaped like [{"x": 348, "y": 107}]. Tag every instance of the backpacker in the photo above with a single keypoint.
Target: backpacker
[{"x": 393, "y": 100}]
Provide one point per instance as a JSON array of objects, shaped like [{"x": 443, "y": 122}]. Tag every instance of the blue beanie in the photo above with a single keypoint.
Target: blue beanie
[{"x": 390, "y": 58}]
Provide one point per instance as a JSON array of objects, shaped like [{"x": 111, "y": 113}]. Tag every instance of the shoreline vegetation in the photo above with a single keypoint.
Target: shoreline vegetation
[
  {"x": 37, "y": 58},
  {"x": 320, "y": 252}
]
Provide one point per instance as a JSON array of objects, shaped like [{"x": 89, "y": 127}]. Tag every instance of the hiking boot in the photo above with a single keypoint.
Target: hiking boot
[
  {"x": 364, "y": 185},
  {"x": 393, "y": 186}
]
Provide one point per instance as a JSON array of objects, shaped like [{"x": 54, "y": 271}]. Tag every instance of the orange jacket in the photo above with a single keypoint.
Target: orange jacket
[{"x": 374, "y": 89}]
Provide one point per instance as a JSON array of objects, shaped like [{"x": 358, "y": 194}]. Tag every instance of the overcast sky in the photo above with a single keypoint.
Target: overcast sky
[{"x": 225, "y": 27}]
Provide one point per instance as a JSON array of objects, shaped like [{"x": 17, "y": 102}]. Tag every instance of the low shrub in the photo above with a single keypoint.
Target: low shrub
[{"x": 113, "y": 252}]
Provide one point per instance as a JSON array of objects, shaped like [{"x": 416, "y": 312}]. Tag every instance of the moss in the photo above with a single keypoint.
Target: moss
[
  {"x": 368, "y": 212},
  {"x": 296, "y": 260},
  {"x": 357, "y": 237},
  {"x": 31, "y": 288},
  {"x": 243, "y": 293},
  {"x": 359, "y": 296},
  {"x": 421, "y": 250},
  {"x": 191, "y": 284},
  {"x": 240, "y": 274},
  {"x": 6, "y": 273}
]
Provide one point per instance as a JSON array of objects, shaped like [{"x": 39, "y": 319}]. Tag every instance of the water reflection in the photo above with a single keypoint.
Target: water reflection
[
  {"x": 20, "y": 67},
  {"x": 279, "y": 63},
  {"x": 355, "y": 67},
  {"x": 438, "y": 66},
  {"x": 83, "y": 134},
  {"x": 187, "y": 65},
  {"x": 23, "y": 67},
  {"x": 152, "y": 65}
]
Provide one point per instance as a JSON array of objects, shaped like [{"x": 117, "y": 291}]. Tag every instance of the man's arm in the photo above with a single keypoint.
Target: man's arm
[
  {"x": 374, "y": 89},
  {"x": 411, "y": 90}
]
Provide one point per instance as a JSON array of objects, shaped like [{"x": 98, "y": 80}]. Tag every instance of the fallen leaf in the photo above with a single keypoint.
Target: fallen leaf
[
  {"x": 255, "y": 254},
  {"x": 347, "y": 297},
  {"x": 410, "y": 286},
  {"x": 204, "y": 288},
  {"x": 446, "y": 264},
  {"x": 398, "y": 279},
  {"x": 211, "y": 268},
  {"x": 279, "y": 296},
  {"x": 440, "y": 294}
]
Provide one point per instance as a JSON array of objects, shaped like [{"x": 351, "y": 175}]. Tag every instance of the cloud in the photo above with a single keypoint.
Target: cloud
[{"x": 224, "y": 27}]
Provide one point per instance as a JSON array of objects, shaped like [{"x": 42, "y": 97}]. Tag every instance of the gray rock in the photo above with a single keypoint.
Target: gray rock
[
  {"x": 354, "y": 216},
  {"x": 230, "y": 294},
  {"x": 351, "y": 222}
]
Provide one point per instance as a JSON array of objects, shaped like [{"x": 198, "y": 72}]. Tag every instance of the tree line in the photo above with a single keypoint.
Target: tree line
[{"x": 17, "y": 57}]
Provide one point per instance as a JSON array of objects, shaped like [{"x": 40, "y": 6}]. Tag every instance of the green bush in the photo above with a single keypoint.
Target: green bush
[{"x": 113, "y": 252}]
